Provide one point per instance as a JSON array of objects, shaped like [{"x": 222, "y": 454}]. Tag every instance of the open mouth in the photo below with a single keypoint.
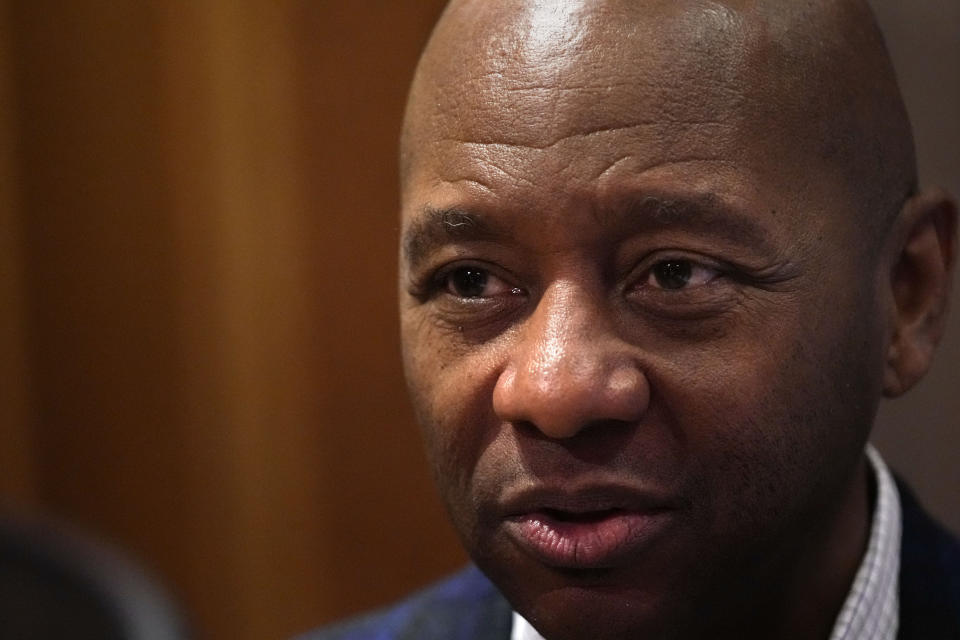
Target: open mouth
[
  {"x": 583, "y": 525},
  {"x": 598, "y": 539},
  {"x": 582, "y": 517}
]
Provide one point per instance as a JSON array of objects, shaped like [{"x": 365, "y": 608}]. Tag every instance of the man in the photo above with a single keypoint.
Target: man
[{"x": 660, "y": 260}]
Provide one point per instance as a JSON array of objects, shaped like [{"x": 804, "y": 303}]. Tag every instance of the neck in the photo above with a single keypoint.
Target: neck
[
  {"x": 824, "y": 569},
  {"x": 800, "y": 596}
]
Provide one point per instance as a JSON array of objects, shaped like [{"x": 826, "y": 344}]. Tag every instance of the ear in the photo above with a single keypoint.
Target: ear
[{"x": 923, "y": 244}]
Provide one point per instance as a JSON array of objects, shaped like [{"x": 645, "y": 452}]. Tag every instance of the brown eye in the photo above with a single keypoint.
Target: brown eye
[
  {"x": 472, "y": 283},
  {"x": 468, "y": 282},
  {"x": 673, "y": 275}
]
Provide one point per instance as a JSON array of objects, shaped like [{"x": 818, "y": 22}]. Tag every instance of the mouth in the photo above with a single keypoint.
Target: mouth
[{"x": 595, "y": 529}]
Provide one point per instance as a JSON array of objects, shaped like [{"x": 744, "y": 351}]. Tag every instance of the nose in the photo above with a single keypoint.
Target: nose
[{"x": 569, "y": 369}]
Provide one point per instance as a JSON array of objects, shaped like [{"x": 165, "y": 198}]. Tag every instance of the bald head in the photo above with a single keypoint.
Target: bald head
[
  {"x": 810, "y": 82},
  {"x": 647, "y": 314}
]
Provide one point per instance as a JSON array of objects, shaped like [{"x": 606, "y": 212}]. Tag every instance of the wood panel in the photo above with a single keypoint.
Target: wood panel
[
  {"x": 208, "y": 200},
  {"x": 99, "y": 279},
  {"x": 16, "y": 454},
  {"x": 354, "y": 68}
]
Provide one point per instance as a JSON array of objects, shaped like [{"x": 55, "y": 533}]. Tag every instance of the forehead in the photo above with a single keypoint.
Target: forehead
[
  {"x": 540, "y": 106},
  {"x": 533, "y": 74}
]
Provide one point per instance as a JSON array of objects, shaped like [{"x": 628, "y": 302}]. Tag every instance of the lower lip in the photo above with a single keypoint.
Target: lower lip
[{"x": 601, "y": 543}]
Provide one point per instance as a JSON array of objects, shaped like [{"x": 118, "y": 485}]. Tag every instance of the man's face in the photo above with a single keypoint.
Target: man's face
[{"x": 638, "y": 325}]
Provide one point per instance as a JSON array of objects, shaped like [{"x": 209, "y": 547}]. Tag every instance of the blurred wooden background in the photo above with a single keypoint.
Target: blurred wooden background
[{"x": 198, "y": 352}]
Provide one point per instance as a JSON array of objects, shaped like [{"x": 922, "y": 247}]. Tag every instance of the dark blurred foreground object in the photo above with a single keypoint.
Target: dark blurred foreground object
[{"x": 57, "y": 584}]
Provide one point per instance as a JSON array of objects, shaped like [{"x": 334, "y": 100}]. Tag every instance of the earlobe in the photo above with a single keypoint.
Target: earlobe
[{"x": 923, "y": 247}]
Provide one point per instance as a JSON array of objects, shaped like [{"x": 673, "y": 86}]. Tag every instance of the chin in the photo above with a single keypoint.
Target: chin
[
  {"x": 601, "y": 604},
  {"x": 575, "y": 612}
]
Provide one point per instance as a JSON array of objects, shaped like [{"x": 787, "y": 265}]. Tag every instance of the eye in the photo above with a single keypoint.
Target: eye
[
  {"x": 673, "y": 275},
  {"x": 474, "y": 282}
]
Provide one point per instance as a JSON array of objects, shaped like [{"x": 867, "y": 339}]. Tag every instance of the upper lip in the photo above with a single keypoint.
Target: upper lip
[{"x": 585, "y": 497}]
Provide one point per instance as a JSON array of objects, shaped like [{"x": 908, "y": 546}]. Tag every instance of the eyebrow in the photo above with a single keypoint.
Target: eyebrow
[
  {"x": 627, "y": 216},
  {"x": 435, "y": 228},
  {"x": 704, "y": 213}
]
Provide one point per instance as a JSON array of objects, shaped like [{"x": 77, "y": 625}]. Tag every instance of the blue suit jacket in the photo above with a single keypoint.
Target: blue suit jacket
[{"x": 468, "y": 607}]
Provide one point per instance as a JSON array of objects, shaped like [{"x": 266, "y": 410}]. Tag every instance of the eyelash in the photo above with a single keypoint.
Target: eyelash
[
  {"x": 435, "y": 283},
  {"x": 647, "y": 271},
  {"x": 441, "y": 281}
]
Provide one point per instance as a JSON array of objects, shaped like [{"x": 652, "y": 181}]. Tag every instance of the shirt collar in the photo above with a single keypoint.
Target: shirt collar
[{"x": 871, "y": 610}]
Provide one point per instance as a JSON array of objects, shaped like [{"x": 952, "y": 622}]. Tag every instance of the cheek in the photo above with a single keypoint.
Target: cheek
[
  {"x": 451, "y": 394},
  {"x": 774, "y": 424}
]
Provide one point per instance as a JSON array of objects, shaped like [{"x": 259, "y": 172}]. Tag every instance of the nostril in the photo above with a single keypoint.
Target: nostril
[
  {"x": 528, "y": 428},
  {"x": 596, "y": 442}
]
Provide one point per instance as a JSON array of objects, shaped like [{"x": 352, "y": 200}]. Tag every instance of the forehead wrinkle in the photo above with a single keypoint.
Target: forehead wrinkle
[
  {"x": 586, "y": 132},
  {"x": 621, "y": 71},
  {"x": 538, "y": 117},
  {"x": 809, "y": 82}
]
